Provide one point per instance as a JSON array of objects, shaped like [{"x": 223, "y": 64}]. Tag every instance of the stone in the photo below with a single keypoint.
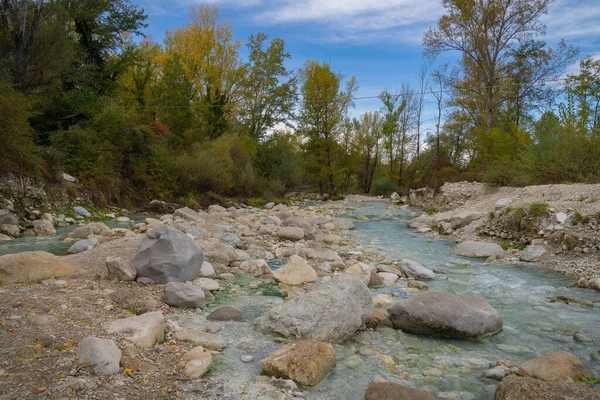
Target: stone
[
  {"x": 361, "y": 271},
  {"x": 227, "y": 276},
  {"x": 207, "y": 340},
  {"x": 257, "y": 267},
  {"x": 81, "y": 211},
  {"x": 446, "y": 315},
  {"x": 501, "y": 203},
  {"x": 523, "y": 388},
  {"x": 9, "y": 219},
  {"x": 215, "y": 208},
  {"x": 416, "y": 270},
  {"x": 395, "y": 197},
  {"x": 120, "y": 269},
  {"x": 207, "y": 270},
  {"x": 332, "y": 312},
  {"x": 226, "y": 313},
  {"x": 386, "y": 216},
  {"x": 561, "y": 218},
  {"x": 394, "y": 391},
  {"x": 93, "y": 228},
  {"x": 306, "y": 362},
  {"x": 474, "y": 249},
  {"x": 382, "y": 300},
  {"x": 295, "y": 272},
  {"x": 594, "y": 283},
  {"x": 379, "y": 319},
  {"x": 388, "y": 278},
  {"x": 417, "y": 285},
  {"x": 532, "y": 253},
  {"x": 146, "y": 329},
  {"x": 198, "y": 362},
  {"x": 229, "y": 238},
  {"x": 189, "y": 214},
  {"x": 11, "y": 230},
  {"x": 68, "y": 178},
  {"x": 319, "y": 254},
  {"x": 344, "y": 224},
  {"x": 299, "y": 222},
  {"x": 43, "y": 227},
  {"x": 206, "y": 284},
  {"x": 137, "y": 365},
  {"x": 556, "y": 366},
  {"x": 83, "y": 245},
  {"x": 362, "y": 218},
  {"x": 4, "y": 237},
  {"x": 463, "y": 218},
  {"x": 269, "y": 205},
  {"x": 168, "y": 255},
  {"x": 184, "y": 295},
  {"x": 102, "y": 355},
  {"x": 33, "y": 266},
  {"x": 290, "y": 233},
  {"x": 497, "y": 373}
]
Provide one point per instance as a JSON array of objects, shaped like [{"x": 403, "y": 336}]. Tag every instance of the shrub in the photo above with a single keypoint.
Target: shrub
[
  {"x": 384, "y": 187},
  {"x": 537, "y": 209}
]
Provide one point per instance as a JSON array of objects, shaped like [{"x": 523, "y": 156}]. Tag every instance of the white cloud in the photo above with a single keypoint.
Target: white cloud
[{"x": 573, "y": 20}]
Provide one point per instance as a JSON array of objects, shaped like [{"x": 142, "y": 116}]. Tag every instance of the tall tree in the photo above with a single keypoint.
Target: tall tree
[
  {"x": 423, "y": 83},
  {"x": 392, "y": 108},
  {"x": 368, "y": 138},
  {"x": 486, "y": 33},
  {"x": 324, "y": 106},
  {"x": 270, "y": 89}
]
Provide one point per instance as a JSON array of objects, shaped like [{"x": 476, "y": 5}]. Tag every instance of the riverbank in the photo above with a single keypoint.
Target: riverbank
[{"x": 43, "y": 324}]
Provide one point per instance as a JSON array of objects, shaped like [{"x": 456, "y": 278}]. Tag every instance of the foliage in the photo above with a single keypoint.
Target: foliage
[{"x": 537, "y": 209}]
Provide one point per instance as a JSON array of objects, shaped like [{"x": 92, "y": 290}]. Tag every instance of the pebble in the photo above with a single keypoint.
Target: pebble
[{"x": 247, "y": 358}]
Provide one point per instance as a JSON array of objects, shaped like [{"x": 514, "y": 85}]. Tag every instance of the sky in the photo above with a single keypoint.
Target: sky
[{"x": 379, "y": 42}]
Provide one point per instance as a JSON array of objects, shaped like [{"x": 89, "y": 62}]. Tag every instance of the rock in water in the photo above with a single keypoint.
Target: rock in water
[
  {"x": 226, "y": 313},
  {"x": 197, "y": 362},
  {"x": 523, "y": 388},
  {"x": 306, "y": 362},
  {"x": 102, "y": 355},
  {"x": 416, "y": 269},
  {"x": 448, "y": 315},
  {"x": 474, "y": 249},
  {"x": 332, "y": 312},
  {"x": 532, "y": 253},
  {"x": 394, "y": 391},
  {"x": 168, "y": 255},
  {"x": 556, "y": 366},
  {"x": 120, "y": 269},
  {"x": 43, "y": 227},
  {"x": 147, "y": 329},
  {"x": 343, "y": 223},
  {"x": 33, "y": 266},
  {"x": 295, "y": 272},
  {"x": 83, "y": 245},
  {"x": 184, "y": 295}
]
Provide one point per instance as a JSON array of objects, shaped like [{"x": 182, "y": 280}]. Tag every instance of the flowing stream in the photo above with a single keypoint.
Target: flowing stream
[{"x": 446, "y": 368}]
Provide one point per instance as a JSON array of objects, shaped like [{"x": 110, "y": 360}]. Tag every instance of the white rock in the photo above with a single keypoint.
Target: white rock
[
  {"x": 146, "y": 329},
  {"x": 206, "y": 283},
  {"x": 388, "y": 278},
  {"x": 382, "y": 300},
  {"x": 295, "y": 272},
  {"x": 197, "y": 362},
  {"x": 102, "y": 355},
  {"x": 120, "y": 269}
]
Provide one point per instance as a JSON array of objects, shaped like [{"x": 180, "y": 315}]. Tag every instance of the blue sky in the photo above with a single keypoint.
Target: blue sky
[{"x": 379, "y": 42}]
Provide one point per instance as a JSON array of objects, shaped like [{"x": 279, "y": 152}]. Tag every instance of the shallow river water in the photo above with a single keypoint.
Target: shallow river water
[{"x": 446, "y": 368}]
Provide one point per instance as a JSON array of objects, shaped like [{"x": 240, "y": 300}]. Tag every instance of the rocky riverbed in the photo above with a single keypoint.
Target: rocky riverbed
[{"x": 286, "y": 302}]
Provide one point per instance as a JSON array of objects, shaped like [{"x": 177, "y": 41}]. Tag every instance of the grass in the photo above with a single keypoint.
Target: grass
[
  {"x": 507, "y": 244},
  {"x": 581, "y": 198},
  {"x": 431, "y": 211},
  {"x": 537, "y": 209},
  {"x": 518, "y": 212},
  {"x": 491, "y": 214},
  {"x": 577, "y": 218}
]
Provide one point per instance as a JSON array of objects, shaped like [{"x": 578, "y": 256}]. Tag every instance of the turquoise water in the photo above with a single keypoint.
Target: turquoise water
[{"x": 53, "y": 244}]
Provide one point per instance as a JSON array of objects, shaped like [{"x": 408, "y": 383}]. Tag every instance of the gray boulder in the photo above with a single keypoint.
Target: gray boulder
[
  {"x": 343, "y": 223},
  {"x": 447, "y": 315},
  {"x": 207, "y": 270},
  {"x": 503, "y": 203},
  {"x": 120, "y": 269},
  {"x": 168, "y": 255},
  {"x": 387, "y": 216},
  {"x": 43, "y": 227},
  {"x": 532, "y": 253},
  {"x": 8, "y": 219},
  {"x": 464, "y": 218},
  {"x": 81, "y": 211},
  {"x": 416, "y": 269},
  {"x": 189, "y": 214},
  {"x": 184, "y": 295},
  {"x": 82, "y": 245},
  {"x": 102, "y": 355},
  {"x": 332, "y": 312},
  {"x": 474, "y": 249},
  {"x": 10, "y": 230}
]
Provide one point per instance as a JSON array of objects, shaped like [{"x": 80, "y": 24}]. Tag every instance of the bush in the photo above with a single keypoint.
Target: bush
[
  {"x": 384, "y": 187},
  {"x": 537, "y": 209}
]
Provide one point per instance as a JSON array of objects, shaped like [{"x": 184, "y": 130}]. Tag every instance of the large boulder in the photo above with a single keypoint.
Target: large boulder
[
  {"x": 93, "y": 228},
  {"x": 146, "y": 329},
  {"x": 295, "y": 272},
  {"x": 33, "y": 267},
  {"x": 305, "y": 362},
  {"x": 332, "y": 312},
  {"x": 556, "y": 366},
  {"x": 394, "y": 391},
  {"x": 444, "y": 314},
  {"x": 189, "y": 214},
  {"x": 42, "y": 227},
  {"x": 291, "y": 233},
  {"x": 184, "y": 295},
  {"x": 168, "y": 255},
  {"x": 523, "y": 388},
  {"x": 8, "y": 219},
  {"x": 416, "y": 269},
  {"x": 532, "y": 253},
  {"x": 102, "y": 355},
  {"x": 120, "y": 269},
  {"x": 464, "y": 218},
  {"x": 83, "y": 245},
  {"x": 361, "y": 271},
  {"x": 474, "y": 249}
]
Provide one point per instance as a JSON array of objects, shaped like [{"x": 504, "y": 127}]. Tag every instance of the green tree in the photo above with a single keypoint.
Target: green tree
[
  {"x": 323, "y": 110},
  {"x": 369, "y": 130},
  {"x": 270, "y": 89},
  {"x": 392, "y": 108}
]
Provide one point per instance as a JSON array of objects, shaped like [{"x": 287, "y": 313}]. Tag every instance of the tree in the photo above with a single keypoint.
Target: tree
[
  {"x": 407, "y": 121},
  {"x": 422, "y": 77},
  {"x": 486, "y": 33},
  {"x": 392, "y": 109},
  {"x": 270, "y": 89},
  {"x": 368, "y": 139},
  {"x": 324, "y": 106}
]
